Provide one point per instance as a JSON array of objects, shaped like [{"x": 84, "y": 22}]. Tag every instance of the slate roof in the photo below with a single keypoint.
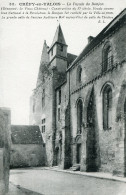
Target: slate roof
[
  {"x": 59, "y": 37},
  {"x": 70, "y": 58},
  {"x": 116, "y": 22},
  {"x": 26, "y": 134}
]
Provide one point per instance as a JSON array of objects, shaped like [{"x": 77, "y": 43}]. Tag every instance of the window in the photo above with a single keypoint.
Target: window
[
  {"x": 43, "y": 125},
  {"x": 52, "y": 51},
  {"x": 59, "y": 96},
  {"x": 79, "y": 116},
  {"x": 58, "y": 114},
  {"x": 61, "y": 47},
  {"x": 90, "y": 110},
  {"x": 107, "y": 107},
  {"x": 43, "y": 98},
  {"x": 79, "y": 74},
  {"x": 107, "y": 58}
]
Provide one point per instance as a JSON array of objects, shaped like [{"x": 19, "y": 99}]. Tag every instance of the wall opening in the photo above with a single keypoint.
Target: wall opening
[
  {"x": 107, "y": 57},
  {"x": 79, "y": 116},
  {"x": 57, "y": 155},
  {"x": 78, "y": 153}
]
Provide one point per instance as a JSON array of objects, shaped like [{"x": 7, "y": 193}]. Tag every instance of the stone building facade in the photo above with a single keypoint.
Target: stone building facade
[{"x": 80, "y": 101}]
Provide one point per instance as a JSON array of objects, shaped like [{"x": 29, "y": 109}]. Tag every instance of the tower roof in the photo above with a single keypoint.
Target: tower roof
[
  {"x": 59, "y": 37},
  {"x": 44, "y": 56},
  {"x": 44, "y": 61}
]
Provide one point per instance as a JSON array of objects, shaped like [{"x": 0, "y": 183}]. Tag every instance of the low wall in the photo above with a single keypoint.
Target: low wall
[
  {"x": 4, "y": 150},
  {"x": 27, "y": 155},
  {"x": 27, "y": 147}
]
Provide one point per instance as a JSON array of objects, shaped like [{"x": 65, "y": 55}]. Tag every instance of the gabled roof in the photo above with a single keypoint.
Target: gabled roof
[
  {"x": 26, "y": 134},
  {"x": 116, "y": 22},
  {"x": 59, "y": 37},
  {"x": 70, "y": 58}
]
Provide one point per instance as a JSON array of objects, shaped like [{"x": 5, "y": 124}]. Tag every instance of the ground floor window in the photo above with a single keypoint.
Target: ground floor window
[
  {"x": 79, "y": 116},
  {"x": 43, "y": 125}
]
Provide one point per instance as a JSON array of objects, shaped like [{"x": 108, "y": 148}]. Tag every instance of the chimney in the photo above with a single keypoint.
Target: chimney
[{"x": 90, "y": 38}]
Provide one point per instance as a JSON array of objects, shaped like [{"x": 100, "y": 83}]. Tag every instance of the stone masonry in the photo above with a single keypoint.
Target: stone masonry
[
  {"x": 80, "y": 101},
  {"x": 4, "y": 150}
]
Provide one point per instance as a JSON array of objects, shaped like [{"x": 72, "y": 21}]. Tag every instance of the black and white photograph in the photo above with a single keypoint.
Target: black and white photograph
[{"x": 62, "y": 97}]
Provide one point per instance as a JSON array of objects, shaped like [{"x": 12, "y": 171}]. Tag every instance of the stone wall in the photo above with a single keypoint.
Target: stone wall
[
  {"x": 27, "y": 146},
  {"x": 62, "y": 135},
  {"x": 28, "y": 155},
  {"x": 4, "y": 150},
  {"x": 111, "y": 142}
]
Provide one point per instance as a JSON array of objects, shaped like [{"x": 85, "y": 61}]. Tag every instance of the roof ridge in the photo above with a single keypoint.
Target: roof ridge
[{"x": 103, "y": 32}]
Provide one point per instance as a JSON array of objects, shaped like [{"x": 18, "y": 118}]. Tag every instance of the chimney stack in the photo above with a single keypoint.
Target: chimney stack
[{"x": 90, "y": 38}]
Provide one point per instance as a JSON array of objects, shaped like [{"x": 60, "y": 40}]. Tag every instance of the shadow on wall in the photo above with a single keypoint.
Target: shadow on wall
[{"x": 93, "y": 161}]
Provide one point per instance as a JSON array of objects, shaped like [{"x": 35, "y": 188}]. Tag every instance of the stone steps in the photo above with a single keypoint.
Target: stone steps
[{"x": 75, "y": 167}]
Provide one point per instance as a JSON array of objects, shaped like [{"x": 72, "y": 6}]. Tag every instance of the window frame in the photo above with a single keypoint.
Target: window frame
[
  {"x": 79, "y": 74},
  {"x": 43, "y": 125},
  {"x": 79, "y": 116},
  {"x": 107, "y": 57}
]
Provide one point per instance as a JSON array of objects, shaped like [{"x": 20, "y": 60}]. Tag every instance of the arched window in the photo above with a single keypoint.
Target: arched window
[
  {"x": 79, "y": 116},
  {"x": 79, "y": 74},
  {"x": 107, "y": 57},
  {"x": 107, "y": 107}
]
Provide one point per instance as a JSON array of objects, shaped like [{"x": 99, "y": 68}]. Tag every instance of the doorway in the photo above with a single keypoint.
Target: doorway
[
  {"x": 78, "y": 153},
  {"x": 57, "y": 156}
]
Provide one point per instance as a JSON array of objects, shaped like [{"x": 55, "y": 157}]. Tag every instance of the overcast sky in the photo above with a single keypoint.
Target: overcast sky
[{"x": 21, "y": 45}]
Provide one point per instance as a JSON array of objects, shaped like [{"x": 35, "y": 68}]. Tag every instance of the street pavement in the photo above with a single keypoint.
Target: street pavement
[{"x": 51, "y": 182}]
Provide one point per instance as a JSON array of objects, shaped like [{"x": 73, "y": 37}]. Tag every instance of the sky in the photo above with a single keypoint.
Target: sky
[{"x": 21, "y": 43}]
